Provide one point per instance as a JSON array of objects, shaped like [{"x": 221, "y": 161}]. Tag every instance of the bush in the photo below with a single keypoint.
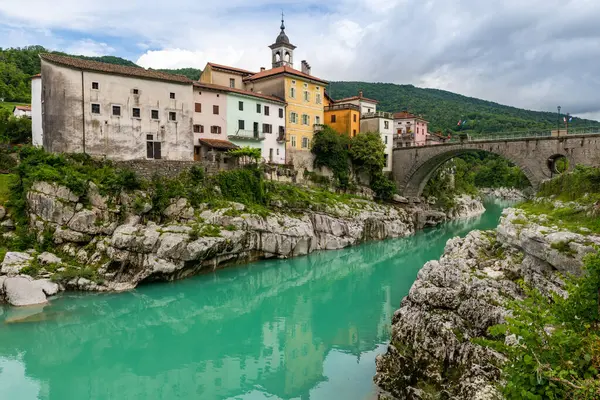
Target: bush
[
  {"x": 331, "y": 151},
  {"x": 242, "y": 185},
  {"x": 558, "y": 350}
]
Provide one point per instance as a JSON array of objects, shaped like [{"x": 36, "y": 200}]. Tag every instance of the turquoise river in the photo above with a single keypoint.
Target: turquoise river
[{"x": 305, "y": 328}]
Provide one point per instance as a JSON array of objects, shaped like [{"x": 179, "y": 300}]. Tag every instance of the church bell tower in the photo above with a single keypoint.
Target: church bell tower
[{"x": 282, "y": 50}]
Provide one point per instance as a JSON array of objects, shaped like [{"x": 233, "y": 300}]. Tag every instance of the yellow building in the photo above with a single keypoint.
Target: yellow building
[{"x": 303, "y": 93}]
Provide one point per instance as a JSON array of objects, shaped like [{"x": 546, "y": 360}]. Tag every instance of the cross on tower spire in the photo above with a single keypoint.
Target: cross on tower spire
[{"x": 282, "y": 24}]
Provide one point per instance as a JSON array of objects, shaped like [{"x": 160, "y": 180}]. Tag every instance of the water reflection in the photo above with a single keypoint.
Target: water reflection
[{"x": 296, "y": 328}]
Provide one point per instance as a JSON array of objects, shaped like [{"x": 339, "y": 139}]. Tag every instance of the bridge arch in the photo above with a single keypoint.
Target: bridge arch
[{"x": 413, "y": 166}]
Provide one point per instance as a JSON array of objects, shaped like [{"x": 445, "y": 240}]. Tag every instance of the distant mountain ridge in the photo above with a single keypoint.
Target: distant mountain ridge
[{"x": 441, "y": 108}]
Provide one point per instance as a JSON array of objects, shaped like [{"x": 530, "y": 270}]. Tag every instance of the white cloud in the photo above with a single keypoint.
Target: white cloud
[
  {"x": 516, "y": 52},
  {"x": 88, "y": 47}
]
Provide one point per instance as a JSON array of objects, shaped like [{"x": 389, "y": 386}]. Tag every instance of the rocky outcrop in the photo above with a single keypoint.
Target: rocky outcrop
[
  {"x": 504, "y": 193},
  {"x": 466, "y": 207},
  {"x": 459, "y": 297},
  {"x": 21, "y": 291}
]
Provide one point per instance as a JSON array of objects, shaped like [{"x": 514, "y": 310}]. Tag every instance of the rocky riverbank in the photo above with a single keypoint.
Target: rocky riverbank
[
  {"x": 103, "y": 243},
  {"x": 504, "y": 193},
  {"x": 431, "y": 354}
]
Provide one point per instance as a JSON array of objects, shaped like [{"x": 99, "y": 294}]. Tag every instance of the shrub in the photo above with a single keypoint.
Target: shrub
[
  {"x": 331, "y": 151},
  {"x": 242, "y": 185}
]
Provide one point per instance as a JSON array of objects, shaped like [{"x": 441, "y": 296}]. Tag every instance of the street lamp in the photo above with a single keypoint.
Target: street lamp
[{"x": 558, "y": 121}]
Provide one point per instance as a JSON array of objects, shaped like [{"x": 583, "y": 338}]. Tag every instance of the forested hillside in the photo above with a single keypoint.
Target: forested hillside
[{"x": 444, "y": 109}]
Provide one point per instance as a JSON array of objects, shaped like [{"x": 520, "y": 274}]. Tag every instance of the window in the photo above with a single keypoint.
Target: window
[
  {"x": 267, "y": 128},
  {"x": 386, "y": 124},
  {"x": 385, "y": 140},
  {"x": 317, "y": 88},
  {"x": 258, "y": 109},
  {"x": 293, "y": 140},
  {"x": 333, "y": 118},
  {"x": 353, "y": 132},
  {"x": 116, "y": 111},
  {"x": 385, "y": 158},
  {"x": 95, "y": 108},
  {"x": 354, "y": 118},
  {"x": 95, "y": 85},
  {"x": 266, "y": 110},
  {"x": 198, "y": 107},
  {"x": 172, "y": 116},
  {"x": 153, "y": 149},
  {"x": 293, "y": 93},
  {"x": 293, "y": 118},
  {"x": 417, "y": 129},
  {"x": 231, "y": 82},
  {"x": 281, "y": 113},
  {"x": 293, "y": 82},
  {"x": 172, "y": 95},
  {"x": 216, "y": 110},
  {"x": 136, "y": 91},
  {"x": 318, "y": 98},
  {"x": 241, "y": 105},
  {"x": 135, "y": 112},
  {"x": 305, "y": 119},
  {"x": 198, "y": 129},
  {"x": 318, "y": 120},
  {"x": 305, "y": 143},
  {"x": 241, "y": 124},
  {"x": 277, "y": 151},
  {"x": 215, "y": 129},
  {"x": 306, "y": 96},
  {"x": 306, "y": 85},
  {"x": 154, "y": 114},
  {"x": 281, "y": 130}
]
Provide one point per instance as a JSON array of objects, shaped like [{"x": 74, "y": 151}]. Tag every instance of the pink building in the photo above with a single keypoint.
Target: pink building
[
  {"x": 209, "y": 115},
  {"x": 411, "y": 129}
]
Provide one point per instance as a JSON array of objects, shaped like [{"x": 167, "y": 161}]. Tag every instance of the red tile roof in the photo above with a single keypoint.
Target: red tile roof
[
  {"x": 218, "y": 144},
  {"x": 232, "y": 69},
  {"x": 36, "y": 76},
  {"x": 136, "y": 72},
  {"x": 22, "y": 108},
  {"x": 356, "y": 98},
  {"x": 239, "y": 91},
  {"x": 407, "y": 115},
  {"x": 283, "y": 70}
]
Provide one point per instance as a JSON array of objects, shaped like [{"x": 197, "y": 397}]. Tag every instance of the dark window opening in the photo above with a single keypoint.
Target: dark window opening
[
  {"x": 172, "y": 116},
  {"x": 116, "y": 110},
  {"x": 266, "y": 110},
  {"x": 154, "y": 114},
  {"x": 136, "y": 113},
  {"x": 281, "y": 113},
  {"x": 258, "y": 108},
  {"x": 216, "y": 110},
  {"x": 241, "y": 106},
  {"x": 95, "y": 85},
  {"x": 333, "y": 118},
  {"x": 153, "y": 150},
  {"x": 215, "y": 129},
  {"x": 172, "y": 95},
  {"x": 95, "y": 108},
  {"x": 136, "y": 91},
  {"x": 241, "y": 124}
]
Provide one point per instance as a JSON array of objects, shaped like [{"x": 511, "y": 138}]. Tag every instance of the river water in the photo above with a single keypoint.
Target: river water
[{"x": 305, "y": 328}]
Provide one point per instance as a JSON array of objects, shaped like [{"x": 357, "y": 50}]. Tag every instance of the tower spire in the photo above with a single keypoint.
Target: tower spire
[{"x": 282, "y": 23}]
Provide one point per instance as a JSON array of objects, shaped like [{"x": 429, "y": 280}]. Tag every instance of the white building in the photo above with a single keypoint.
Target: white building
[
  {"x": 37, "y": 132},
  {"x": 382, "y": 122},
  {"x": 109, "y": 110},
  {"x": 22, "y": 111}
]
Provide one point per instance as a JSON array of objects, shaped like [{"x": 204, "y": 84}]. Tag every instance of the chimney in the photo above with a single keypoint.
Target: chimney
[
  {"x": 305, "y": 67},
  {"x": 262, "y": 69}
]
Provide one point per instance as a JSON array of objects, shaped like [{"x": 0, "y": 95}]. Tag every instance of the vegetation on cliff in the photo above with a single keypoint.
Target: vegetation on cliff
[
  {"x": 555, "y": 351},
  {"x": 362, "y": 154}
]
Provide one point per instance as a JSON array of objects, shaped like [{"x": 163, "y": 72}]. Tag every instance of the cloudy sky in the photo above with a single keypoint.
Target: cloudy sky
[{"x": 534, "y": 54}]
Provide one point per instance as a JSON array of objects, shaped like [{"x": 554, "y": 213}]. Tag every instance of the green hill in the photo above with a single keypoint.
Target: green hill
[{"x": 444, "y": 109}]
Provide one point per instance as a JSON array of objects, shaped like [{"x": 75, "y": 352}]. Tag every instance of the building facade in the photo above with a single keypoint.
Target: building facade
[
  {"x": 382, "y": 123},
  {"x": 114, "y": 111},
  {"x": 343, "y": 118},
  {"x": 224, "y": 76},
  {"x": 411, "y": 129},
  {"x": 209, "y": 115},
  {"x": 37, "y": 132},
  {"x": 22, "y": 111}
]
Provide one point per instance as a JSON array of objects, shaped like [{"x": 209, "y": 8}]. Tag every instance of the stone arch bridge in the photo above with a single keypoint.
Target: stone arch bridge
[{"x": 413, "y": 166}]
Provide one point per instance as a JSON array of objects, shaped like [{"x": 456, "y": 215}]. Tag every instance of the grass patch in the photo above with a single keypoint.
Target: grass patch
[
  {"x": 5, "y": 182},
  {"x": 563, "y": 247},
  {"x": 565, "y": 218},
  {"x": 10, "y": 106}
]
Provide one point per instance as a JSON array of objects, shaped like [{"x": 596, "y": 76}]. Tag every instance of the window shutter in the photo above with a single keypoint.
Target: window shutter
[
  {"x": 149, "y": 150},
  {"x": 157, "y": 154},
  {"x": 198, "y": 107}
]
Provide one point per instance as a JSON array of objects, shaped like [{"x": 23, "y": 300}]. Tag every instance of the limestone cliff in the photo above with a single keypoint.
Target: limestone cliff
[{"x": 459, "y": 297}]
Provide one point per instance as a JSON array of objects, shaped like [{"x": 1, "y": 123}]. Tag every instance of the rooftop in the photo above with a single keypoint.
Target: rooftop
[
  {"x": 407, "y": 115},
  {"x": 231, "y": 69},
  {"x": 359, "y": 97},
  {"x": 136, "y": 72},
  {"x": 283, "y": 70},
  {"x": 22, "y": 108},
  {"x": 212, "y": 86},
  {"x": 218, "y": 144}
]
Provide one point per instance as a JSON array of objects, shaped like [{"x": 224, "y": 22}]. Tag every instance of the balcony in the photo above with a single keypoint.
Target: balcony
[
  {"x": 242, "y": 134},
  {"x": 335, "y": 107},
  {"x": 318, "y": 127},
  {"x": 281, "y": 137},
  {"x": 378, "y": 114}
]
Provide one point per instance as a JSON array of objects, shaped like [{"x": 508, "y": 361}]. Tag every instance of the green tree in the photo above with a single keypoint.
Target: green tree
[
  {"x": 367, "y": 153},
  {"x": 331, "y": 151}
]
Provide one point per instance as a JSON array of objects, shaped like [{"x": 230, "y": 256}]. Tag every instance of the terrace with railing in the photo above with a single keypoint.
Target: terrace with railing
[
  {"x": 242, "y": 134},
  {"x": 378, "y": 114},
  {"x": 345, "y": 106}
]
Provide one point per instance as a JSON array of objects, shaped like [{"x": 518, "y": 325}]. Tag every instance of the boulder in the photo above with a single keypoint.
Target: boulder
[
  {"x": 20, "y": 291},
  {"x": 47, "y": 258},
  {"x": 400, "y": 199},
  {"x": 14, "y": 262},
  {"x": 2, "y": 212},
  {"x": 48, "y": 287}
]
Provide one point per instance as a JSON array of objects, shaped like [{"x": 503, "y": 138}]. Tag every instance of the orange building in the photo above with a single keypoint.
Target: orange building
[{"x": 343, "y": 118}]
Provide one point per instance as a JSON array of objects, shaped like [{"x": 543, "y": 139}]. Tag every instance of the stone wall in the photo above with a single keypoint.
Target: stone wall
[{"x": 163, "y": 168}]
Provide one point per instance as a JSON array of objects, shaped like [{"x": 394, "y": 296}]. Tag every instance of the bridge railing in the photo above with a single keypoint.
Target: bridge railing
[{"x": 515, "y": 135}]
